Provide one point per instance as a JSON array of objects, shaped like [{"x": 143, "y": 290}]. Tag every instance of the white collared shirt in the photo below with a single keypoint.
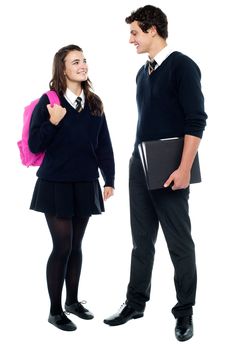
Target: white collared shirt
[
  {"x": 161, "y": 56},
  {"x": 71, "y": 98}
]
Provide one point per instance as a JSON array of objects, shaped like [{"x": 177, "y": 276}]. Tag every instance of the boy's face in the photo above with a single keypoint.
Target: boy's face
[{"x": 141, "y": 40}]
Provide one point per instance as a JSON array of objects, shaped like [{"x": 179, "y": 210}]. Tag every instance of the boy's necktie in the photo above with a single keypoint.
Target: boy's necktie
[{"x": 151, "y": 66}]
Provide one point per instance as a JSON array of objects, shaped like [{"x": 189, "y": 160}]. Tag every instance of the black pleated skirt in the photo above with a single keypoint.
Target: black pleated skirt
[{"x": 67, "y": 199}]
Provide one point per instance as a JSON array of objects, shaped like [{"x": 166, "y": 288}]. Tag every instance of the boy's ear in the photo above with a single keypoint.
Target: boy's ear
[{"x": 153, "y": 30}]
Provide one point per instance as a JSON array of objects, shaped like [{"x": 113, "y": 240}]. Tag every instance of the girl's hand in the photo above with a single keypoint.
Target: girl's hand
[
  {"x": 108, "y": 192},
  {"x": 56, "y": 113}
]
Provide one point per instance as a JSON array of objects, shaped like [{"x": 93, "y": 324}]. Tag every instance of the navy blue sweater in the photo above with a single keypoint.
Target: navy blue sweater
[
  {"x": 75, "y": 148},
  {"x": 170, "y": 101}
]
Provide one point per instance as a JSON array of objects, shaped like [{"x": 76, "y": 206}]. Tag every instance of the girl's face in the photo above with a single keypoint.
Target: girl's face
[{"x": 76, "y": 68}]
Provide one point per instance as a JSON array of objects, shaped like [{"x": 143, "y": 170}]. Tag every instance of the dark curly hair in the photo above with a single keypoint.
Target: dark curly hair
[
  {"x": 149, "y": 16},
  {"x": 58, "y": 81}
]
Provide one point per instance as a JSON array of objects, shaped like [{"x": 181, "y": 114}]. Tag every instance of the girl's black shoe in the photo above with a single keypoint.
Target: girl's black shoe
[{"x": 62, "y": 322}]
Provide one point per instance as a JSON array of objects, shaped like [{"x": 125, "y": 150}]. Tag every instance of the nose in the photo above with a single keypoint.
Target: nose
[
  {"x": 83, "y": 65},
  {"x": 131, "y": 39}
]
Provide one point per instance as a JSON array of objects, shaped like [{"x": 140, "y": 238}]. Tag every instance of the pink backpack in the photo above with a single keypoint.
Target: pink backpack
[{"x": 27, "y": 157}]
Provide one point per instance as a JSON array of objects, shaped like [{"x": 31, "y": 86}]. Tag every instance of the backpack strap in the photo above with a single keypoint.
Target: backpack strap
[{"x": 53, "y": 98}]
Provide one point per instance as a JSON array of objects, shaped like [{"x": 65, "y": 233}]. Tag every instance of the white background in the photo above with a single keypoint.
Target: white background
[{"x": 31, "y": 33}]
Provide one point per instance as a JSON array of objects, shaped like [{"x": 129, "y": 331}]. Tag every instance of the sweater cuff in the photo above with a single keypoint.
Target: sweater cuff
[
  {"x": 109, "y": 182},
  {"x": 195, "y": 133},
  {"x": 49, "y": 128},
  {"x": 50, "y": 125}
]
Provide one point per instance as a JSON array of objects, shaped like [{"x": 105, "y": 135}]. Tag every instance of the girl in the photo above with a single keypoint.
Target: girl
[{"x": 76, "y": 142}]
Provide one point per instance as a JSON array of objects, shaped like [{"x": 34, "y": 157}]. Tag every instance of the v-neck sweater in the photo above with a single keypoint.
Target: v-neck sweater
[
  {"x": 170, "y": 101},
  {"x": 76, "y": 148}
]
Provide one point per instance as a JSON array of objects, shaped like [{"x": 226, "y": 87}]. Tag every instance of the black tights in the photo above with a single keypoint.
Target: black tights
[{"x": 65, "y": 261}]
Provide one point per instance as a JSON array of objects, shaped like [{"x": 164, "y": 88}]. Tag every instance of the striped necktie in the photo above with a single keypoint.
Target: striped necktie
[
  {"x": 78, "y": 104},
  {"x": 151, "y": 66}
]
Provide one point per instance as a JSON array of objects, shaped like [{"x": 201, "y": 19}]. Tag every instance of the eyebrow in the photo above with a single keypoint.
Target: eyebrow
[
  {"x": 75, "y": 60},
  {"x": 78, "y": 60}
]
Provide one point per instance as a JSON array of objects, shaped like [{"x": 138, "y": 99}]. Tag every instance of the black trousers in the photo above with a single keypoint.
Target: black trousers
[{"x": 170, "y": 209}]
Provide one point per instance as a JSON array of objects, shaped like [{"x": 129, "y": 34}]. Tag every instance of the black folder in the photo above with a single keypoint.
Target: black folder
[{"x": 161, "y": 157}]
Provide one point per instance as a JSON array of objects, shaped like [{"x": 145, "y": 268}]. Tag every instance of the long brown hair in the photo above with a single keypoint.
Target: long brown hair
[{"x": 58, "y": 81}]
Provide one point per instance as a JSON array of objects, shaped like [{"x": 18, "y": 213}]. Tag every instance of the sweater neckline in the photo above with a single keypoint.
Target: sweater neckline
[
  {"x": 71, "y": 108},
  {"x": 164, "y": 62}
]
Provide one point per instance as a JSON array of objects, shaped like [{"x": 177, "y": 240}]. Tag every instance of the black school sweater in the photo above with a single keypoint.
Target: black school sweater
[
  {"x": 170, "y": 101},
  {"x": 74, "y": 149}
]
